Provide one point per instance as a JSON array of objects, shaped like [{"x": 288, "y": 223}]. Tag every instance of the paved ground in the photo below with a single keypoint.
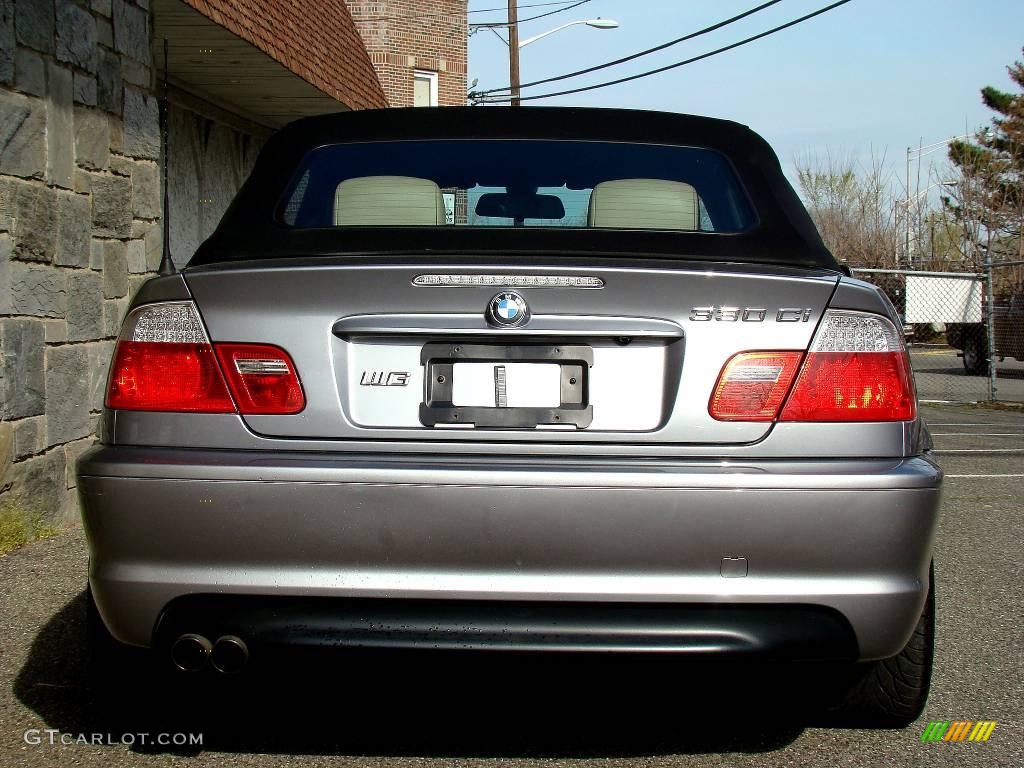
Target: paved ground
[
  {"x": 940, "y": 376},
  {"x": 467, "y": 712}
]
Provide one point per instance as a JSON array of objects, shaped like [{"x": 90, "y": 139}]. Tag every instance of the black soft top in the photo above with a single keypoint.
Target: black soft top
[{"x": 251, "y": 229}]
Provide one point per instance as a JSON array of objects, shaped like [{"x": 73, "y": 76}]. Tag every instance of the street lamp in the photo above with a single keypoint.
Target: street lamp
[
  {"x": 917, "y": 198},
  {"x": 595, "y": 23},
  {"x": 906, "y": 205},
  {"x": 917, "y": 154},
  {"x": 915, "y": 201},
  {"x": 514, "y": 45}
]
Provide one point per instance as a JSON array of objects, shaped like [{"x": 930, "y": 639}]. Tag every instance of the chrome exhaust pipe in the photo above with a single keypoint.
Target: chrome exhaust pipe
[
  {"x": 191, "y": 652},
  {"x": 230, "y": 654}
]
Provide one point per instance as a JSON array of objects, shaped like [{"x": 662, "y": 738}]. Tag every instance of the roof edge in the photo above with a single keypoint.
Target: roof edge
[{"x": 359, "y": 87}]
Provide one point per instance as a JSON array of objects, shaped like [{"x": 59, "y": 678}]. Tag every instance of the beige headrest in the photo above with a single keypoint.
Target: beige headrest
[
  {"x": 381, "y": 201},
  {"x": 643, "y": 204}
]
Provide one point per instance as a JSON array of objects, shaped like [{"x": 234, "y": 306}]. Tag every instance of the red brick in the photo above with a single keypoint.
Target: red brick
[
  {"x": 315, "y": 39},
  {"x": 428, "y": 30}
]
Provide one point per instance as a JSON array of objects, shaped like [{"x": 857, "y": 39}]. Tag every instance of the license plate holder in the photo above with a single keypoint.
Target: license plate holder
[{"x": 574, "y": 361}]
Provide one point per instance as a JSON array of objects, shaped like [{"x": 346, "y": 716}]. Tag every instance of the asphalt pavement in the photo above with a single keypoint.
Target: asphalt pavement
[
  {"x": 518, "y": 711},
  {"x": 939, "y": 373}
]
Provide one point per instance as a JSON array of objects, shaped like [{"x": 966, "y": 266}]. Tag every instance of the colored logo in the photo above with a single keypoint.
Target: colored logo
[
  {"x": 959, "y": 730},
  {"x": 508, "y": 309}
]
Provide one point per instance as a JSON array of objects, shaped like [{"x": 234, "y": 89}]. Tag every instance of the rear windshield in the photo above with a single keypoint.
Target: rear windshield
[{"x": 516, "y": 183}]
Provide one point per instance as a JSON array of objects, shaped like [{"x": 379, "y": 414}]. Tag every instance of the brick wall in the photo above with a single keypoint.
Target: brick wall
[
  {"x": 313, "y": 38},
  {"x": 406, "y": 35},
  {"x": 79, "y": 231}
]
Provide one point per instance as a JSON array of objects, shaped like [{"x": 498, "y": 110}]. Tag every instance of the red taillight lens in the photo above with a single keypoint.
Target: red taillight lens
[
  {"x": 856, "y": 370},
  {"x": 752, "y": 386},
  {"x": 164, "y": 362},
  {"x": 262, "y": 378},
  {"x": 167, "y": 376},
  {"x": 853, "y": 386}
]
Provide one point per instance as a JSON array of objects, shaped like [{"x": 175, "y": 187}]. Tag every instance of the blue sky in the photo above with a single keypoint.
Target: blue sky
[{"x": 870, "y": 75}]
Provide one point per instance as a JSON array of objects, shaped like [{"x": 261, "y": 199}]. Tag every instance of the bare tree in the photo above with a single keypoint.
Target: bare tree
[{"x": 854, "y": 206}]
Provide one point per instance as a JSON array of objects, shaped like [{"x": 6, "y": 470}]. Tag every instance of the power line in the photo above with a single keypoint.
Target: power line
[
  {"x": 389, "y": 16},
  {"x": 637, "y": 55},
  {"x": 676, "y": 64},
  {"x": 531, "y": 18},
  {"x": 531, "y": 5},
  {"x": 569, "y": 4}
]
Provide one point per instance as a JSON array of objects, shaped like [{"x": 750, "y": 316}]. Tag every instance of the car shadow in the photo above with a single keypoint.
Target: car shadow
[{"x": 425, "y": 703}]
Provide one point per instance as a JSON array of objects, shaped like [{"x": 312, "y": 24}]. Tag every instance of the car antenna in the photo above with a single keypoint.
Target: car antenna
[{"x": 166, "y": 263}]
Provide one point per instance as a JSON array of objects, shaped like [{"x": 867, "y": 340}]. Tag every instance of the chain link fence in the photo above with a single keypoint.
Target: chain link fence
[{"x": 965, "y": 330}]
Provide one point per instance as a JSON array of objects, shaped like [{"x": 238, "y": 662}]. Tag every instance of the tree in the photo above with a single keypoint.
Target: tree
[
  {"x": 988, "y": 200},
  {"x": 853, "y": 207}
]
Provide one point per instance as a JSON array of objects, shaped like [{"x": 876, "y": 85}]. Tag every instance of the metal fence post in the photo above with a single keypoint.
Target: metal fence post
[
  {"x": 953, "y": 319},
  {"x": 990, "y": 326}
]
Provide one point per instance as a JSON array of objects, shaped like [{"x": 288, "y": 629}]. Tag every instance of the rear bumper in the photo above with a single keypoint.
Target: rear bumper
[
  {"x": 588, "y": 549},
  {"x": 279, "y": 623}
]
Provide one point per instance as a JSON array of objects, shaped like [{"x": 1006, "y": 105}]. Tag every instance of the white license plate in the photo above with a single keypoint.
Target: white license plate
[{"x": 508, "y": 385}]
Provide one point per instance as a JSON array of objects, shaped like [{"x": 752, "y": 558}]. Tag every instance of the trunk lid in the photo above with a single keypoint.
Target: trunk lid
[{"x": 648, "y": 345}]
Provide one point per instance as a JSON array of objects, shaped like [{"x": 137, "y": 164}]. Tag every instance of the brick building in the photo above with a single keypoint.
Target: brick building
[
  {"x": 418, "y": 49},
  {"x": 81, "y": 204}
]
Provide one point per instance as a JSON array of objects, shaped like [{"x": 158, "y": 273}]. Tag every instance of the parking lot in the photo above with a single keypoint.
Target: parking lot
[
  {"x": 940, "y": 375},
  {"x": 520, "y": 711}
]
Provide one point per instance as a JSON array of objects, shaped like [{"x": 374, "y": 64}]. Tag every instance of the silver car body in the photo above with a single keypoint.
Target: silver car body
[{"x": 654, "y": 505}]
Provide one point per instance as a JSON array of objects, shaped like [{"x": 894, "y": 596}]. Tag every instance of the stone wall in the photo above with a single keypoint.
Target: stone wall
[
  {"x": 208, "y": 160},
  {"x": 79, "y": 230}
]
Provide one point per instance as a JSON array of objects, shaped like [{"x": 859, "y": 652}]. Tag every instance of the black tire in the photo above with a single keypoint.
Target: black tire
[
  {"x": 975, "y": 355},
  {"x": 891, "y": 693}
]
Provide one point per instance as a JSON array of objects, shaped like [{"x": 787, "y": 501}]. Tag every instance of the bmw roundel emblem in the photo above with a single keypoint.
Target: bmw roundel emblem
[{"x": 508, "y": 310}]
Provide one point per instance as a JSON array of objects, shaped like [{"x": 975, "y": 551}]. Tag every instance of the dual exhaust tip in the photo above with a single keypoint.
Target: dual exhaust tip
[{"x": 191, "y": 653}]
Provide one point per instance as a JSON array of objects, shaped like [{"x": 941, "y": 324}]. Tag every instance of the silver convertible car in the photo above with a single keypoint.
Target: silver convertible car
[{"x": 516, "y": 379}]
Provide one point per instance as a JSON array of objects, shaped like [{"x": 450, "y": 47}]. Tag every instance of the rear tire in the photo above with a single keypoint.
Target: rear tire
[
  {"x": 892, "y": 693},
  {"x": 975, "y": 356}
]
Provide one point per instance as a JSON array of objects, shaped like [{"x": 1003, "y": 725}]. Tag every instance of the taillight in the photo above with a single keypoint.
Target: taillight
[
  {"x": 856, "y": 370},
  {"x": 165, "y": 362},
  {"x": 752, "y": 385},
  {"x": 167, "y": 376},
  {"x": 262, "y": 378}
]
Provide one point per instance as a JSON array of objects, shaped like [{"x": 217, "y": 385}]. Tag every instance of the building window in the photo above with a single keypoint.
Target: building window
[{"x": 424, "y": 89}]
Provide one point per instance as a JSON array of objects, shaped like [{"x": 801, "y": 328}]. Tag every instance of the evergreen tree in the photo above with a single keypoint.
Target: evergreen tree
[{"x": 988, "y": 200}]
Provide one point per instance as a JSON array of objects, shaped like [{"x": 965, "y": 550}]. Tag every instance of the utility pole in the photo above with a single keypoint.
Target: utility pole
[
  {"x": 513, "y": 50},
  {"x": 906, "y": 213}
]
